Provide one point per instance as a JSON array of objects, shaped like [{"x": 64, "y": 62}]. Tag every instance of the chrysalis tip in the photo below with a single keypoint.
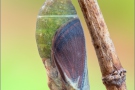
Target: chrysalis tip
[{"x": 73, "y": 83}]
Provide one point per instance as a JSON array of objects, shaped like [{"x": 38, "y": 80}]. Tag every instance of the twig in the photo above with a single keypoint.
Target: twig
[{"x": 111, "y": 68}]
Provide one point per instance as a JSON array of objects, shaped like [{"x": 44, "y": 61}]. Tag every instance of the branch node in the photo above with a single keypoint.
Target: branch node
[{"x": 116, "y": 78}]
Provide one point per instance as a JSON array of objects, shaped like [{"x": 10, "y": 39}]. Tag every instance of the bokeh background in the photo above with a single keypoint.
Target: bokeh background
[{"x": 21, "y": 66}]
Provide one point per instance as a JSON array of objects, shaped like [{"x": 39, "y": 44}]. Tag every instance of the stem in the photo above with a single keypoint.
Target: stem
[{"x": 112, "y": 71}]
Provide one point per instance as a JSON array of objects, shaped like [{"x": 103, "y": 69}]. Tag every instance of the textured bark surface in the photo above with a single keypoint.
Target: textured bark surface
[{"x": 111, "y": 68}]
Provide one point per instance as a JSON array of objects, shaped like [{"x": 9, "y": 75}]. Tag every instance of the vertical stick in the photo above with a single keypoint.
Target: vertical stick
[{"x": 111, "y": 68}]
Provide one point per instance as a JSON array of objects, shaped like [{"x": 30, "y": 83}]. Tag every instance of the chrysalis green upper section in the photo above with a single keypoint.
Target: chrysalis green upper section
[
  {"x": 57, "y": 7},
  {"x": 52, "y": 15}
]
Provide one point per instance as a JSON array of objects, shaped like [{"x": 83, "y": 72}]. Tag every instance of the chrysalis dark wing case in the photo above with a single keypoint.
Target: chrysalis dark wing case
[{"x": 69, "y": 54}]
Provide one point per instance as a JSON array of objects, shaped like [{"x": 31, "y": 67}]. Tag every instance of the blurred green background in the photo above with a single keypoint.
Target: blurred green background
[{"x": 21, "y": 66}]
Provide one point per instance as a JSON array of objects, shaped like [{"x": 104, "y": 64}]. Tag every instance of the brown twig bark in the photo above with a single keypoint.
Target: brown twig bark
[{"x": 111, "y": 68}]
